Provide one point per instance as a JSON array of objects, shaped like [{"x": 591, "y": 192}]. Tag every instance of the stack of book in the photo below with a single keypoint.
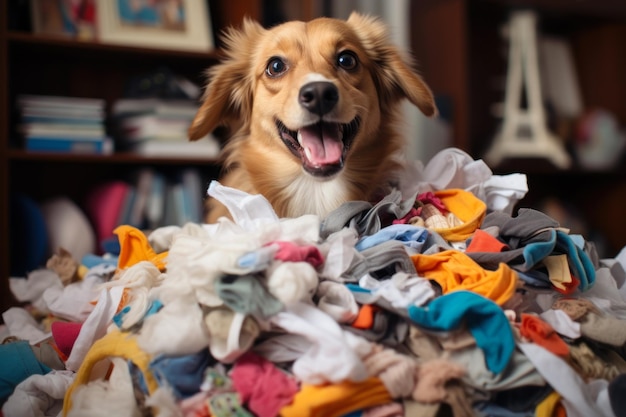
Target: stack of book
[
  {"x": 158, "y": 127},
  {"x": 148, "y": 200},
  {"x": 63, "y": 124}
]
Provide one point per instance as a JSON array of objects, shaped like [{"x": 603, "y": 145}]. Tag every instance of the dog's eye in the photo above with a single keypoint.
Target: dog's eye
[
  {"x": 275, "y": 67},
  {"x": 347, "y": 60}
]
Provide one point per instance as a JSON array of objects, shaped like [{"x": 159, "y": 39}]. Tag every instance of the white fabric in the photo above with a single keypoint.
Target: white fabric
[
  {"x": 39, "y": 395},
  {"x": 282, "y": 348},
  {"x": 21, "y": 324},
  {"x": 95, "y": 326},
  {"x": 113, "y": 397},
  {"x": 176, "y": 329},
  {"x": 402, "y": 290},
  {"x": 291, "y": 282},
  {"x": 32, "y": 288},
  {"x": 337, "y": 301},
  {"x": 73, "y": 302},
  {"x": 454, "y": 168},
  {"x": 605, "y": 294},
  {"x": 580, "y": 399},
  {"x": 562, "y": 323},
  {"x": 502, "y": 192},
  {"x": 334, "y": 355},
  {"x": 245, "y": 209},
  {"x": 338, "y": 251},
  {"x": 255, "y": 219}
]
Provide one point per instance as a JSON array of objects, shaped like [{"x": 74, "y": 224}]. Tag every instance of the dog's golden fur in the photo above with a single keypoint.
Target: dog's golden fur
[{"x": 279, "y": 89}]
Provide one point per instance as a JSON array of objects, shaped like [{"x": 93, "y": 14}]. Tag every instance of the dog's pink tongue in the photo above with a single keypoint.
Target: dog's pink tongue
[{"x": 321, "y": 143}]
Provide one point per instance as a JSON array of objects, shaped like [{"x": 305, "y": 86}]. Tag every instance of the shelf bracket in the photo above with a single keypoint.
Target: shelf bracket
[{"x": 524, "y": 132}]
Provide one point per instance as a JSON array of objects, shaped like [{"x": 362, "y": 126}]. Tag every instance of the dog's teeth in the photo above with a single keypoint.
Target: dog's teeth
[
  {"x": 307, "y": 153},
  {"x": 299, "y": 138}
]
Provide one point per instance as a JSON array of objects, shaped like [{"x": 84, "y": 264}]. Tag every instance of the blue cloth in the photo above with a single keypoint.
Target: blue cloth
[
  {"x": 90, "y": 260},
  {"x": 584, "y": 269},
  {"x": 412, "y": 236},
  {"x": 535, "y": 277},
  {"x": 18, "y": 363},
  {"x": 484, "y": 319},
  {"x": 534, "y": 252},
  {"x": 259, "y": 259},
  {"x": 182, "y": 374}
]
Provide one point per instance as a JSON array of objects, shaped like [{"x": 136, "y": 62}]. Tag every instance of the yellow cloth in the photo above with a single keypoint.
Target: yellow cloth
[
  {"x": 558, "y": 271},
  {"x": 455, "y": 270},
  {"x": 550, "y": 406},
  {"x": 336, "y": 400},
  {"x": 114, "y": 344},
  {"x": 467, "y": 207},
  {"x": 134, "y": 248}
]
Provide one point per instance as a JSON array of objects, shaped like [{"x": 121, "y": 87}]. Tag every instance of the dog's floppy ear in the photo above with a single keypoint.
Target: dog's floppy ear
[
  {"x": 395, "y": 74},
  {"x": 228, "y": 95}
]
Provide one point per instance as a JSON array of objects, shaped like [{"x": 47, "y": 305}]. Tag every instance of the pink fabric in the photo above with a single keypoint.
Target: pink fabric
[
  {"x": 290, "y": 252},
  {"x": 104, "y": 205},
  {"x": 64, "y": 335},
  {"x": 261, "y": 385},
  {"x": 404, "y": 220},
  {"x": 430, "y": 198},
  {"x": 424, "y": 198}
]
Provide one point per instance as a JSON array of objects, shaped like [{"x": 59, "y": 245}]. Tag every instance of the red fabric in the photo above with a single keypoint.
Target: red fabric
[
  {"x": 261, "y": 385},
  {"x": 570, "y": 287},
  {"x": 404, "y": 220},
  {"x": 64, "y": 335},
  {"x": 484, "y": 242},
  {"x": 430, "y": 198},
  {"x": 542, "y": 334},
  {"x": 290, "y": 252}
]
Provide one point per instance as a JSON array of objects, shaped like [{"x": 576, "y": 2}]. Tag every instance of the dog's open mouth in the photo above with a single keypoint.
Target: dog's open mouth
[{"x": 321, "y": 147}]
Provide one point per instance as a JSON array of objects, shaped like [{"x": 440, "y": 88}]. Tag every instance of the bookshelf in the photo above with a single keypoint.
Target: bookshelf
[
  {"x": 459, "y": 51},
  {"x": 466, "y": 62},
  {"x": 48, "y": 65}
]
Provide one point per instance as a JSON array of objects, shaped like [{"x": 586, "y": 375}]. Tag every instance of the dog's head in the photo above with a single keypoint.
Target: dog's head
[{"x": 309, "y": 95}]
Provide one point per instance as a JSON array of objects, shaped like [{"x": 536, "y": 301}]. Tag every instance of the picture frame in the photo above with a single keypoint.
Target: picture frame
[
  {"x": 72, "y": 19},
  {"x": 162, "y": 24}
]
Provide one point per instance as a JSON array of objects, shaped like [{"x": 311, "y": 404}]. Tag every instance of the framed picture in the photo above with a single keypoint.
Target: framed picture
[
  {"x": 164, "y": 24},
  {"x": 69, "y": 18}
]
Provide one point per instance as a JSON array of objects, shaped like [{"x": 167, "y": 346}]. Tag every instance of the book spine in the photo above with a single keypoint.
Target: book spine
[{"x": 88, "y": 146}]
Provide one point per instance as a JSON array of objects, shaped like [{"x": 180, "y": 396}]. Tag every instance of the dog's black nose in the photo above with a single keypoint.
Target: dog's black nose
[{"x": 319, "y": 97}]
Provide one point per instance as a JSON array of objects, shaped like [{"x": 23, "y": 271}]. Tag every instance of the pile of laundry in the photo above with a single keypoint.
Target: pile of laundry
[{"x": 437, "y": 300}]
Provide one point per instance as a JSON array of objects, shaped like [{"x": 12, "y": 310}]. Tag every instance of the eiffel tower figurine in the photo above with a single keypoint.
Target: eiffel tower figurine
[{"x": 524, "y": 132}]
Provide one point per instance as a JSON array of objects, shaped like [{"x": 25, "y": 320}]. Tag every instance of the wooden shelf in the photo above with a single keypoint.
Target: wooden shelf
[
  {"x": 459, "y": 52},
  {"x": 28, "y": 41},
  {"x": 56, "y": 65},
  {"x": 462, "y": 55},
  {"x": 116, "y": 158}
]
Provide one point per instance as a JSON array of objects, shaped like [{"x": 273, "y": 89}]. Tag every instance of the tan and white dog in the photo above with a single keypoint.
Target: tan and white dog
[{"x": 313, "y": 108}]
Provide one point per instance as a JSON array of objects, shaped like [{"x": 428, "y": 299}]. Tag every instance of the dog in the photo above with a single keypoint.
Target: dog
[{"x": 313, "y": 111}]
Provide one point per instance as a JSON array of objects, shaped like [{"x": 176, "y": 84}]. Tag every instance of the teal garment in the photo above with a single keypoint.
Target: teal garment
[
  {"x": 246, "y": 294},
  {"x": 18, "y": 363},
  {"x": 484, "y": 319},
  {"x": 535, "y": 252},
  {"x": 580, "y": 263}
]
